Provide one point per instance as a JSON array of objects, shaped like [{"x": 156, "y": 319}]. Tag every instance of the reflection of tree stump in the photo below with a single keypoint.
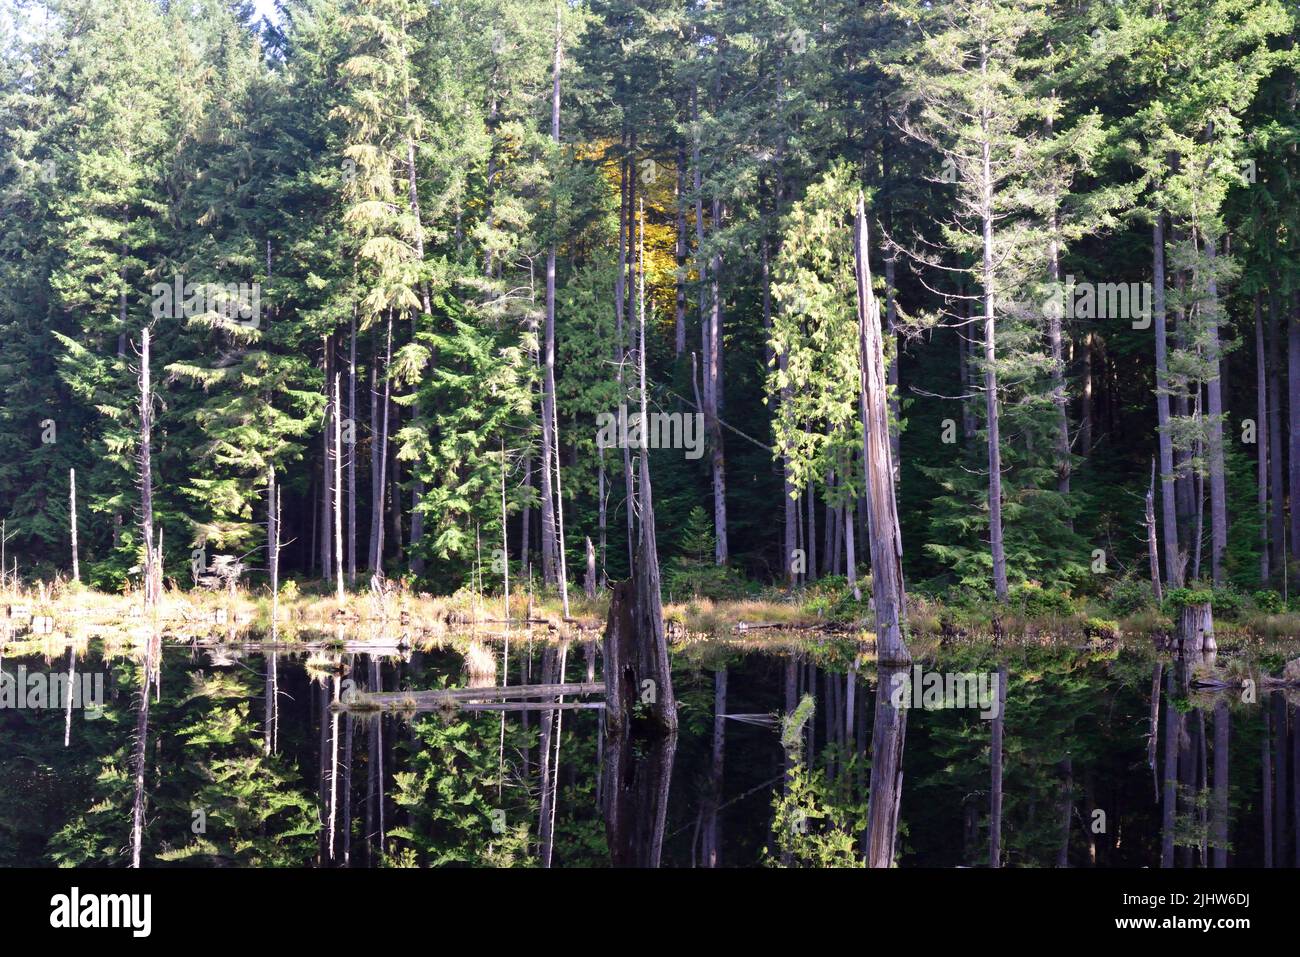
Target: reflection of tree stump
[
  {"x": 635, "y": 775},
  {"x": 1196, "y": 629},
  {"x": 887, "y": 737},
  {"x": 636, "y": 799}
]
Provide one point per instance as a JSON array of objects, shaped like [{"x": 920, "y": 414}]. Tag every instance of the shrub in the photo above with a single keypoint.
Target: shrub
[
  {"x": 1100, "y": 628},
  {"x": 1127, "y": 596},
  {"x": 1227, "y": 603},
  {"x": 1268, "y": 602},
  {"x": 1039, "y": 602}
]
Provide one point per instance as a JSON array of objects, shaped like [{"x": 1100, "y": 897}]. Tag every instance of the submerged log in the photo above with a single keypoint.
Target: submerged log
[{"x": 403, "y": 700}]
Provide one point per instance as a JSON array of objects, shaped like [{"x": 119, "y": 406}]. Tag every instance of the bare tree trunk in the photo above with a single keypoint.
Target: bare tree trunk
[
  {"x": 1153, "y": 548},
  {"x": 965, "y": 352},
  {"x": 526, "y": 520},
  {"x": 886, "y": 564},
  {"x": 885, "y": 539},
  {"x": 1214, "y": 389},
  {"x": 376, "y": 447},
  {"x": 550, "y": 447},
  {"x": 589, "y": 580},
  {"x": 1168, "y": 495},
  {"x": 679, "y": 338},
  {"x": 1059, "y": 398},
  {"x": 152, "y": 580},
  {"x": 1293, "y": 400},
  {"x": 326, "y": 504},
  {"x": 602, "y": 516},
  {"x": 990, "y": 359},
  {"x": 72, "y": 522},
  {"x": 352, "y": 453},
  {"x": 1085, "y": 396},
  {"x": 1153, "y": 733},
  {"x": 1277, "y": 454},
  {"x": 338, "y": 493},
  {"x": 626, "y": 186},
  {"x": 791, "y": 499},
  {"x": 891, "y": 331},
  {"x": 377, "y": 512},
  {"x": 713, "y": 400},
  {"x": 1261, "y": 440}
]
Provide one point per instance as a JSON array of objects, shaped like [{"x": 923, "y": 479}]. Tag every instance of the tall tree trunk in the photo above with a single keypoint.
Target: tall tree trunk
[
  {"x": 1293, "y": 400},
  {"x": 890, "y": 724},
  {"x": 1261, "y": 440},
  {"x": 152, "y": 579},
  {"x": 377, "y": 512},
  {"x": 376, "y": 487},
  {"x": 713, "y": 398},
  {"x": 990, "y": 354},
  {"x": 338, "y": 492},
  {"x": 791, "y": 499},
  {"x": 1168, "y": 495},
  {"x": 626, "y": 189},
  {"x": 550, "y": 447},
  {"x": 1153, "y": 548},
  {"x": 1214, "y": 389},
  {"x": 1277, "y": 486},
  {"x": 891, "y": 332},
  {"x": 326, "y": 503},
  {"x": 352, "y": 453},
  {"x": 679, "y": 254},
  {"x": 885, "y": 538},
  {"x": 72, "y": 522},
  {"x": 426, "y": 306},
  {"x": 1059, "y": 397}
]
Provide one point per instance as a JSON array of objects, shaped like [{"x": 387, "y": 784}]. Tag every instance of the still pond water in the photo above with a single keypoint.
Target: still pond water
[{"x": 1110, "y": 759}]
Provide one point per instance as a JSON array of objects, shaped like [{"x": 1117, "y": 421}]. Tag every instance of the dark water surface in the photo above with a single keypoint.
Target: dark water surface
[{"x": 1085, "y": 783}]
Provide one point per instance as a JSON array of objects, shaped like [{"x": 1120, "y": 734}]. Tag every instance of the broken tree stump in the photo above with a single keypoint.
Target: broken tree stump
[
  {"x": 636, "y": 669},
  {"x": 1196, "y": 628}
]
